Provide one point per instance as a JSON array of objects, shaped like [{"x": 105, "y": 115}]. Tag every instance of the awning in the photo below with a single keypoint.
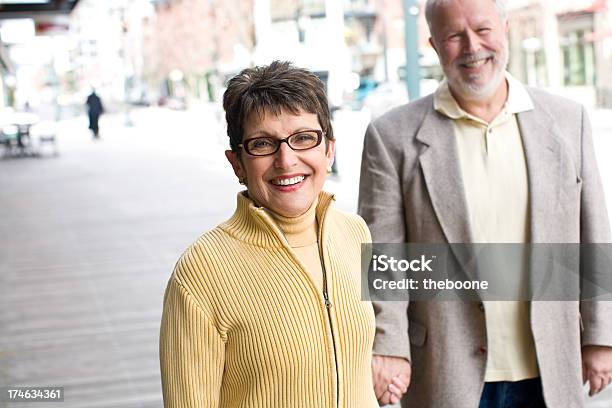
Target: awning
[{"x": 35, "y": 8}]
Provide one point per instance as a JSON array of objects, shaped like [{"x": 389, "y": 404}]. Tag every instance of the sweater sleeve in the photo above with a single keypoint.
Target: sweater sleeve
[{"x": 192, "y": 352}]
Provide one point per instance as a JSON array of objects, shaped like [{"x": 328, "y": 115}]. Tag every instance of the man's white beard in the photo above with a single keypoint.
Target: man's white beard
[{"x": 473, "y": 91}]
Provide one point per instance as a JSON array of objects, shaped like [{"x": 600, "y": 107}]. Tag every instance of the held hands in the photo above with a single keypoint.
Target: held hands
[
  {"x": 391, "y": 377},
  {"x": 596, "y": 367}
]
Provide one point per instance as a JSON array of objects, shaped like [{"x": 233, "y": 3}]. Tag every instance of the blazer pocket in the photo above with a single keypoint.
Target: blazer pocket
[
  {"x": 572, "y": 190},
  {"x": 569, "y": 198},
  {"x": 417, "y": 333}
]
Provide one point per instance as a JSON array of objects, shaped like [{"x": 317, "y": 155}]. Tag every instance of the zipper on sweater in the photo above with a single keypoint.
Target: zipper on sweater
[{"x": 328, "y": 306}]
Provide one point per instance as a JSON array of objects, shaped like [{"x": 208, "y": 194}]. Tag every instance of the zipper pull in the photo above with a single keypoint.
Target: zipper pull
[{"x": 328, "y": 304}]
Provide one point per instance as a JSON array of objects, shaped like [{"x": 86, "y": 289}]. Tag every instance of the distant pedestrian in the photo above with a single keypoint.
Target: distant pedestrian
[{"x": 94, "y": 110}]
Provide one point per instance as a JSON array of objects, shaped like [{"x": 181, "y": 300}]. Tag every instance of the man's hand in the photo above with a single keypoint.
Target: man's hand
[
  {"x": 391, "y": 377},
  {"x": 596, "y": 367}
]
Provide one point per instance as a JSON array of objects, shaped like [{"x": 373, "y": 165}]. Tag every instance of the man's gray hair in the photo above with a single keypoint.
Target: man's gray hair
[{"x": 431, "y": 4}]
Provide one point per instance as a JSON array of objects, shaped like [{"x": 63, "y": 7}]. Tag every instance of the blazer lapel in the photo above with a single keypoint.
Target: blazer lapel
[
  {"x": 543, "y": 154},
  {"x": 442, "y": 173}
]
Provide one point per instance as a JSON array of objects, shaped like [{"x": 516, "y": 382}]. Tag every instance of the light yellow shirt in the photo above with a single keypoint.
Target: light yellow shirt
[{"x": 494, "y": 176}]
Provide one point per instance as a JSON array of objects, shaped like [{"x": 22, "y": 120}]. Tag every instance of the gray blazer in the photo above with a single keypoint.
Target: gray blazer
[{"x": 411, "y": 191}]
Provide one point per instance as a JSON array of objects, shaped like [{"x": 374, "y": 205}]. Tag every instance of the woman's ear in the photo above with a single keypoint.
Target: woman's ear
[
  {"x": 331, "y": 149},
  {"x": 234, "y": 160}
]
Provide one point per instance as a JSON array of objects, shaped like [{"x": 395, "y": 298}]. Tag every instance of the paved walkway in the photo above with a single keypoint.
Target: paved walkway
[
  {"x": 87, "y": 243},
  {"x": 88, "y": 240}
]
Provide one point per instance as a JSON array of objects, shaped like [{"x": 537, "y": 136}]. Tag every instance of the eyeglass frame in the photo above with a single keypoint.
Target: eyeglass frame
[{"x": 320, "y": 135}]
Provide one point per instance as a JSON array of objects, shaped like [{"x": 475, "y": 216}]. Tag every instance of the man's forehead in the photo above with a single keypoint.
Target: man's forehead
[
  {"x": 454, "y": 14},
  {"x": 455, "y": 24},
  {"x": 467, "y": 8}
]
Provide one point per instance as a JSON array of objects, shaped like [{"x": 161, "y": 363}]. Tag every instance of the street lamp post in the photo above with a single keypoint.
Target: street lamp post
[{"x": 411, "y": 45}]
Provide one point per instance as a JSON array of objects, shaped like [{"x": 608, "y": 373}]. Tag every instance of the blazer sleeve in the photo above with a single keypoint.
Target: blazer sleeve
[
  {"x": 382, "y": 207},
  {"x": 192, "y": 352},
  {"x": 594, "y": 229}
]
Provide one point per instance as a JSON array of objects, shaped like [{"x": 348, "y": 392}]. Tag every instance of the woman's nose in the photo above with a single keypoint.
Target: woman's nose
[{"x": 285, "y": 157}]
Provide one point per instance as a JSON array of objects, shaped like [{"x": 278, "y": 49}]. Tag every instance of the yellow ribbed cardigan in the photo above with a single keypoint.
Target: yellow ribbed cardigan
[{"x": 244, "y": 325}]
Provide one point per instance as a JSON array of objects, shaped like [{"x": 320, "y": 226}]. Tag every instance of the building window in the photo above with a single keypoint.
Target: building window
[{"x": 578, "y": 52}]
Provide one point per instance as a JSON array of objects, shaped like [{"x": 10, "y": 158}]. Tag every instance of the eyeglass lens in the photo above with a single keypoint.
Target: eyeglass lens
[{"x": 267, "y": 145}]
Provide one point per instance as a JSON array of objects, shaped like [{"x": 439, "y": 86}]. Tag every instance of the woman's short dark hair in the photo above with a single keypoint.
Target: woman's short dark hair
[{"x": 273, "y": 88}]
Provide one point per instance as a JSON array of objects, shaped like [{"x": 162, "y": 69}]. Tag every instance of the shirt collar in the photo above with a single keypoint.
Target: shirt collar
[{"x": 518, "y": 99}]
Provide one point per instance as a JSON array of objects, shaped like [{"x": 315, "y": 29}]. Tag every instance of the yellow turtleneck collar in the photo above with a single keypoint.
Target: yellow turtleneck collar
[
  {"x": 261, "y": 227},
  {"x": 300, "y": 231}
]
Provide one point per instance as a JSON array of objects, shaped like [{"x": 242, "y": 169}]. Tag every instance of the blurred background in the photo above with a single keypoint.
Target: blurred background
[{"x": 91, "y": 226}]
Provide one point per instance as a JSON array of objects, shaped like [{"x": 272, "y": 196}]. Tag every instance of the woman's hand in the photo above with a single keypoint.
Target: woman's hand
[{"x": 391, "y": 377}]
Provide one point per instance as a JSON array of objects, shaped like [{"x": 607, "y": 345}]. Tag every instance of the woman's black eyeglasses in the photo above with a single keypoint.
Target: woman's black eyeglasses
[{"x": 267, "y": 145}]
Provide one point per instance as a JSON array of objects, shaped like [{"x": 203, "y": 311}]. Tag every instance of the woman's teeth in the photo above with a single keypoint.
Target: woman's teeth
[{"x": 288, "y": 181}]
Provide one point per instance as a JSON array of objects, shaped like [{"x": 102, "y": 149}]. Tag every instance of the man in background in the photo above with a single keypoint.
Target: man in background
[{"x": 485, "y": 160}]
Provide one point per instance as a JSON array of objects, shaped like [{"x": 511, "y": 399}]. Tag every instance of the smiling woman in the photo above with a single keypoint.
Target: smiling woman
[
  {"x": 283, "y": 177},
  {"x": 265, "y": 309}
]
